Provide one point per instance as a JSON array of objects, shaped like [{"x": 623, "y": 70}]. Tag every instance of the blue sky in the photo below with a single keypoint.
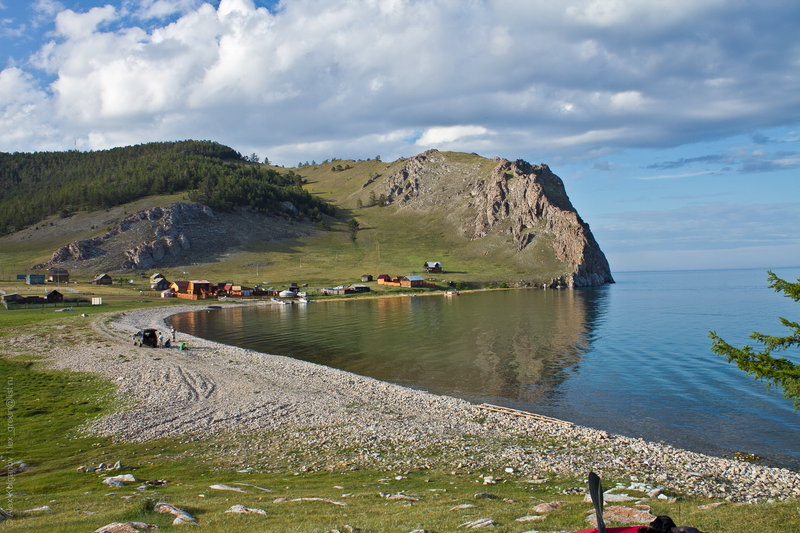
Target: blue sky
[{"x": 675, "y": 125}]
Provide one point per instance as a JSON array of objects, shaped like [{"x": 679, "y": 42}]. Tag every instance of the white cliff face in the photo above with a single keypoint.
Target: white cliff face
[{"x": 523, "y": 201}]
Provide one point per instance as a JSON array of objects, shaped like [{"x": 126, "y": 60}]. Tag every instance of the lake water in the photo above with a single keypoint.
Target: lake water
[{"x": 632, "y": 358}]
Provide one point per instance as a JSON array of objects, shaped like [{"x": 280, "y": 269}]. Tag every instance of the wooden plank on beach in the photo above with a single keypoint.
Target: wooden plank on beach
[{"x": 517, "y": 412}]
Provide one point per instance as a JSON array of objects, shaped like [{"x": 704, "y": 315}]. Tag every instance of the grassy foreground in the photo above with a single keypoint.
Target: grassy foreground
[{"x": 43, "y": 411}]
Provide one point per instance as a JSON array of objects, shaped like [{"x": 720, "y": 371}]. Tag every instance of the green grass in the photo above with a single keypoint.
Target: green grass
[
  {"x": 391, "y": 240},
  {"x": 42, "y": 426},
  {"x": 12, "y": 322},
  {"x": 20, "y": 251}
]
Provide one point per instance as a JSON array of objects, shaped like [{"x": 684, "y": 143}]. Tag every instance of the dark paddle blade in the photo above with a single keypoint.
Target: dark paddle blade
[{"x": 596, "y": 492}]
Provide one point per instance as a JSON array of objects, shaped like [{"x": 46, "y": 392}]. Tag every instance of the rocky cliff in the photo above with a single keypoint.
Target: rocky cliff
[
  {"x": 176, "y": 234},
  {"x": 527, "y": 204}
]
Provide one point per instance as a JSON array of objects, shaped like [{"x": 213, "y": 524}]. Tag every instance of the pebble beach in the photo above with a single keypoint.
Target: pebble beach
[{"x": 212, "y": 388}]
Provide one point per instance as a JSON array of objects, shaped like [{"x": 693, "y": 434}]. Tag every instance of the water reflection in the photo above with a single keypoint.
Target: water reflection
[{"x": 516, "y": 345}]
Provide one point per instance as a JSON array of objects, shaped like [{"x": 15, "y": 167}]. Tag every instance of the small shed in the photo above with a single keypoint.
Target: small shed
[
  {"x": 54, "y": 296},
  {"x": 366, "y": 277},
  {"x": 34, "y": 279},
  {"x": 432, "y": 266},
  {"x": 383, "y": 278},
  {"x": 102, "y": 279},
  {"x": 57, "y": 275},
  {"x": 159, "y": 284}
]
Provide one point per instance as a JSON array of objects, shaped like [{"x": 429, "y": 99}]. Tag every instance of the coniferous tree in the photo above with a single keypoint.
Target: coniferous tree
[
  {"x": 776, "y": 371},
  {"x": 34, "y": 186}
]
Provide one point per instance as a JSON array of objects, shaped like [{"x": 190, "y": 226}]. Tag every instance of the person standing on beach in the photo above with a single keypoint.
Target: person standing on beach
[
  {"x": 172, "y": 331},
  {"x": 160, "y": 340}
]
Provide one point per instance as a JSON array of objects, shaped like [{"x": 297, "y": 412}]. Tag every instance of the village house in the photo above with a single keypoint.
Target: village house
[
  {"x": 383, "y": 278},
  {"x": 54, "y": 296},
  {"x": 403, "y": 281},
  {"x": 159, "y": 284},
  {"x": 179, "y": 287},
  {"x": 224, "y": 289},
  {"x": 102, "y": 279},
  {"x": 359, "y": 288},
  {"x": 341, "y": 290},
  {"x": 34, "y": 279},
  {"x": 389, "y": 281},
  {"x": 432, "y": 267},
  {"x": 58, "y": 275},
  {"x": 412, "y": 281},
  {"x": 19, "y": 299},
  {"x": 239, "y": 290},
  {"x": 366, "y": 278},
  {"x": 200, "y": 287}
]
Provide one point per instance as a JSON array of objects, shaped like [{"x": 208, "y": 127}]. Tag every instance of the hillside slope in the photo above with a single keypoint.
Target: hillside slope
[
  {"x": 493, "y": 215},
  {"x": 489, "y": 221}
]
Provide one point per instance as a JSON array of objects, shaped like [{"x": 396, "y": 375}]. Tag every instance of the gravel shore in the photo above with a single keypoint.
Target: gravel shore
[{"x": 213, "y": 388}]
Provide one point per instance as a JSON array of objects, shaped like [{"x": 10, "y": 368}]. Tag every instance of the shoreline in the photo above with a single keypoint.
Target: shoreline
[{"x": 214, "y": 389}]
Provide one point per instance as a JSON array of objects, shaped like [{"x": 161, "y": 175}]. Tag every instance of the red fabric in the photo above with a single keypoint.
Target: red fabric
[{"x": 634, "y": 529}]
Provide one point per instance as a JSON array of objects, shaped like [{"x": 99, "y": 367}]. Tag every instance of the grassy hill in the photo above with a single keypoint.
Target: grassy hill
[{"x": 390, "y": 238}]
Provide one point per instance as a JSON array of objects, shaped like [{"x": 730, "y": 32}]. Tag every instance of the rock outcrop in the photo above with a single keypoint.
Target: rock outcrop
[
  {"x": 163, "y": 233},
  {"x": 175, "y": 235},
  {"x": 516, "y": 199}
]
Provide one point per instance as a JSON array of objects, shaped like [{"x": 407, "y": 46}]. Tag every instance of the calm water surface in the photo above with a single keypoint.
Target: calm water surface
[{"x": 632, "y": 358}]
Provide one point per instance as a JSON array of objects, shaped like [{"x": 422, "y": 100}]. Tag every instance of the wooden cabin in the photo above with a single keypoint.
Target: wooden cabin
[
  {"x": 432, "y": 267},
  {"x": 58, "y": 275},
  {"x": 180, "y": 287},
  {"x": 366, "y": 278},
  {"x": 412, "y": 281},
  {"x": 159, "y": 284},
  {"x": 200, "y": 288},
  {"x": 102, "y": 279},
  {"x": 383, "y": 278},
  {"x": 359, "y": 288},
  {"x": 54, "y": 296}
]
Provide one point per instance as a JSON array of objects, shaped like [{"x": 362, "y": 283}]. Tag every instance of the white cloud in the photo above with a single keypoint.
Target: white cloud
[
  {"x": 450, "y": 134},
  {"x": 25, "y": 113},
  {"x": 47, "y": 8},
  {"x": 677, "y": 176},
  {"x": 72, "y": 25},
  {"x": 516, "y": 78},
  {"x": 160, "y": 9}
]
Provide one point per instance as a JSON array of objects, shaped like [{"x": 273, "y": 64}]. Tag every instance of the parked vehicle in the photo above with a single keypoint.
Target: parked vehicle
[{"x": 146, "y": 337}]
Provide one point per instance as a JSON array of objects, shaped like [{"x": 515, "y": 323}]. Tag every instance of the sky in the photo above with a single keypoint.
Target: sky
[{"x": 675, "y": 125}]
